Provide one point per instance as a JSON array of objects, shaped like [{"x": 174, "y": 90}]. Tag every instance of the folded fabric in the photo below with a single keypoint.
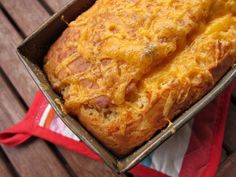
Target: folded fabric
[{"x": 194, "y": 150}]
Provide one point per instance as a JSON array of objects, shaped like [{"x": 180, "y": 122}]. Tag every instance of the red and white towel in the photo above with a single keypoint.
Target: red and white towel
[{"x": 194, "y": 150}]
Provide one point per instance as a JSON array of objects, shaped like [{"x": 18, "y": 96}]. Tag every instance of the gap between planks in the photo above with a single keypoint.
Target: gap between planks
[
  {"x": 6, "y": 168},
  {"x": 41, "y": 4},
  {"x": 8, "y": 16},
  {"x": 26, "y": 159},
  {"x": 46, "y": 7},
  {"x": 60, "y": 150},
  {"x": 13, "y": 89}
]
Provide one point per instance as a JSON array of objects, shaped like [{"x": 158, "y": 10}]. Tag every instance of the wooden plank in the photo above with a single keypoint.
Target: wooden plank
[
  {"x": 32, "y": 159},
  {"x": 4, "y": 170},
  {"x": 76, "y": 161},
  {"x": 16, "y": 72},
  {"x": 230, "y": 131},
  {"x": 27, "y": 96},
  {"x": 11, "y": 64},
  {"x": 26, "y": 13},
  {"x": 228, "y": 168},
  {"x": 223, "y": 155},
  {"x": 84, "y": 166},
  {"x": 56, "y": 5}
]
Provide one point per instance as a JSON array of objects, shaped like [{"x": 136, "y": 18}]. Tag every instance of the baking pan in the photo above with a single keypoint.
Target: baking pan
[{"x": 34, "y": 48}]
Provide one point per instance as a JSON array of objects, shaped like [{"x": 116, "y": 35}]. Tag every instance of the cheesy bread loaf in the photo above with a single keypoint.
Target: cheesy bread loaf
[{"x": 126, "y": 68}]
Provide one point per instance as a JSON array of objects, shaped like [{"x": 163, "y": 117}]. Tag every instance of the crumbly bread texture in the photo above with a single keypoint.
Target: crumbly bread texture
[{"x": 125, "y": 68}]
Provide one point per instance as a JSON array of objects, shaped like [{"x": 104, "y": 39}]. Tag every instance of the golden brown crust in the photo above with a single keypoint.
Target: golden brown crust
[
  {"x": 131, "y": 128},
  {"x": 142, "y": 105},
  {"x": 134, "y": 35}
]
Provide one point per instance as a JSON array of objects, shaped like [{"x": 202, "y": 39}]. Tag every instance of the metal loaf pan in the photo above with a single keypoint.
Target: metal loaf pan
[{"x": 34, "y": 48}]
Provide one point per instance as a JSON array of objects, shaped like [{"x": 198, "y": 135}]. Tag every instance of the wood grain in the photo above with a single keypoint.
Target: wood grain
[
  {"x": 32, "y": 159},
  {"x": 27, "y": 89},
  {"x": 77, "y": 161},
  {"x": 4, "y": 170},
  {"x": 228, "y": 168},
  {"x": 26, "y": 13},
  {"x": 11, "y": 64},
  {"x": 57, "y": 5},
  {"x": 91, "y": 168}
]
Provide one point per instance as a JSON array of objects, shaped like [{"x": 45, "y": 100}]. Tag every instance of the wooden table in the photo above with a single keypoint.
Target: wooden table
[{"x": 18, "y": 19}]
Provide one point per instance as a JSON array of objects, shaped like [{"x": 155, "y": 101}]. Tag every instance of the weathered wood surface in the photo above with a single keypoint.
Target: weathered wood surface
[
  {"x": 83, "y": 166},
  {"x": 37, "y": 158},
  {"x": 26, "y": 14},
  {"x": 228, "y": 168},
  {"x": 16, "y": 72},
  {"x": 5, "y": 165},
  {"x": 56, "y": 5},
  {"x": 10, "y": 63},
  {"x": 32, "y": 159}
]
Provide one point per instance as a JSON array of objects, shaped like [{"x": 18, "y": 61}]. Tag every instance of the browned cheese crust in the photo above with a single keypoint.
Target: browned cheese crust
[{"x": 126, "y": 68}]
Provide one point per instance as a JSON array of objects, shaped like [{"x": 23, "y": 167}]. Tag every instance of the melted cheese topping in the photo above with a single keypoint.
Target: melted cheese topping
[
  {"x": 190, "y": 67},
  {"x": 117, "y": 42}
]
